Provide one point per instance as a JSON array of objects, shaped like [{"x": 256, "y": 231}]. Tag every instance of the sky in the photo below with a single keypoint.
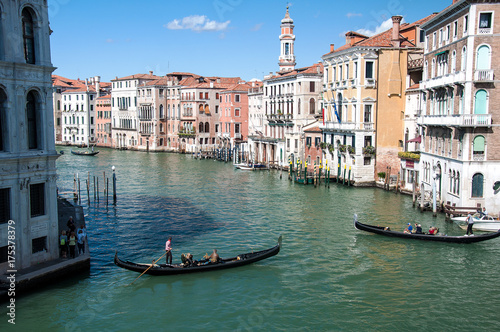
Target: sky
[{"x": 227, "y": 38}]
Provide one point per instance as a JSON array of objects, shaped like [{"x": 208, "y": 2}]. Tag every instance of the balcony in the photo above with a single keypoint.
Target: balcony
[
  {"x": 370, "y": 82},
  {"x": 237, "y": 135},
  {"x": 484, "y": 75},
  {"x": 456, "y": 120},
  {"x": 340, "y": 126}
]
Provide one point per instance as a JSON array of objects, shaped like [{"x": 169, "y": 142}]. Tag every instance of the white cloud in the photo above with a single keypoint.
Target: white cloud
[
  {"x": 257, "y": 27},
  {"x": 349, "y": 15},
  {"x": 197, "y": 23},
  {"x": 109, "y": 41},
  {"x": 386, "y": 25}
]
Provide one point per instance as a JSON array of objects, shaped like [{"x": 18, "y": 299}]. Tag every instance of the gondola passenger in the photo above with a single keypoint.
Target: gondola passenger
[{"x": 418, "y": 229}]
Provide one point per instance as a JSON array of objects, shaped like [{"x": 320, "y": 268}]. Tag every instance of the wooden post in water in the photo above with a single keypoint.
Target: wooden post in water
[
  {"x": 314, "y": 175},
  {"x": 349, "y": 177},
  {"x": 397, "y": 184},
  {"x": 422, "y": 194},
  {"x": 88, "y": 192},
  {"x": 338, "y": 172},
  {"x": 343, "y": 179},
  {"x": 79, "y": 196},
  {"x": 97, "y": 190},
  {"x": 319, "y": 177},
  {"x": 305, "y": 172},
  {"x": 104, "y": 183},
  {"x": 107, "y": 190},
  {"x": 328, "y": 176},
  {"x": 75, "y": 197},
  {"x": 414, "y": 193},
  {"x": 94, "y": 189},
  {"x": 114, "y": 185}
]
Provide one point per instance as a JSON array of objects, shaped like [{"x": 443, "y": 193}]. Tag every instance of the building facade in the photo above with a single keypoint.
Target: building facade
[
  {"x": 364, "y": 99},
  {"x": 28, "y": 199},
  {"x": 460, "y": 150},
  {"x": 104, "y": 134}
]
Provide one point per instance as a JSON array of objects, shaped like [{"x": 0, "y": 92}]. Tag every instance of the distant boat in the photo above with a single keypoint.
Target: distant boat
[
  {"x": 427, "y": 237},
  {"x": 85, "y": 153},
  {"x": 250, "y": 167}
]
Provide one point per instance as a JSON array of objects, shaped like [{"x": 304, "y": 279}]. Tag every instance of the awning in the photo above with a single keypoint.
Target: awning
[
  {"x": 417, "y": 139},
  {"x": 441, "y": 53}
]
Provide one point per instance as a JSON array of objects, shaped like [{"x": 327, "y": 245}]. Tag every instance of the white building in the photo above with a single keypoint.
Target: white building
[
  {"x": 28, "y": 200},
  {"x": 290, "y": 101},
  {"x": 124, "y": 109}
]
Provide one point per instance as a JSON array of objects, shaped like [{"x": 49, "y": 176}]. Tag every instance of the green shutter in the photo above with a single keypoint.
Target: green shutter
[{"x": 479, "y": 144}]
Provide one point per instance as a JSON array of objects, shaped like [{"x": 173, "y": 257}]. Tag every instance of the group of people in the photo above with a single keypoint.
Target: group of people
[
  {"x": 70, "y": 239},
  {"x": 418, "y": 229},
  {"x": 187, "y": 259}
]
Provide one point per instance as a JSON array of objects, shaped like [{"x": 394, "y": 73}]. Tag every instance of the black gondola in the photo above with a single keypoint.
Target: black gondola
[
  {"x": 426, "y": 237},
  {"x": 85, "y": 153},
  {"x": 171, "y": 269}
]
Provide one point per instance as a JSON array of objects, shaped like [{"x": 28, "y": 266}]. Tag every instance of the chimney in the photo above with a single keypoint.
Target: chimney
[
  {"x": 151, "y": 72},
  {"x": 97, "y": 80},
  {"x": 331, "y": 48},
  {"x": 396, "y": 21}
]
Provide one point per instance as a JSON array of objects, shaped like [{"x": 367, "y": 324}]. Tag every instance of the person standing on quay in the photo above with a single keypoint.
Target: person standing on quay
[
  {"x": 168, "y": 249},
  {"x": 470, "y": 224},
  {"x": 72, "y": 244}
]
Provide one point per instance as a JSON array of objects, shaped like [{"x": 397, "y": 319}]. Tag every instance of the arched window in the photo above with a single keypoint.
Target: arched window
[
  {"x": 299, "y": 108},
  {"x": 464, "y": 58},
  {"x": 483, "y": 58},
  {"x": 3, "y": 118},
  {"x": 207, "y": 109},
  {"x": 201, "y": 127},
  {"x": 207, "y": 127},
  {"x": 161, "y": 112},
  {"x": 457, "y": 180},
  {"x": 425, "y": 72},
  {"x": 481, "y": 102},
  {"x": 200, "y": 108},
  {"x": 453, "y": 61},
  {"x": 32, "y": 120},
  {"x": 477, "y": 185},
  {"x": 478, "y": 146},
  {"x": 168, "y": 111},
  {"x": 312, "y": 106},
  {"x": 28, "y": 36}
]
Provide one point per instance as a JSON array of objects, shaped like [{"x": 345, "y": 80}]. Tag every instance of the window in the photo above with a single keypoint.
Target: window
[
  {"x": 367, "y": 161},
  {"x": 368, "y": 113},
  {"x": 466, "y": 23},
  {"x": 4, "y": 205},
  {"x": 37, "y": 199},
  {"x": 477, "y": 185},
  {"x": 308, "y": 141},
  {"x": 236, "y": 128},
  {"x": 236, "y": 112},
  {"x": 369, "y": 69},
  {"x": 485, "y": 22},
  {"x": 28, "y": 36},
  {"x": 464, "y": 58},
  {"x": 483, "y": 58},
  {"x": 478, "y": 148},
  {"x": 434, "y": 37},
  {"x": 455, "y": 29},
  {"x": 236, "y": 98},
  {"x": 317, "y": 141},
  {"x": 453, "y": 61},
  {"x": 39, "y": 244},
  {"x": 312, "y": 106},
  {"x": 3, "y": 125},
  {"x": 32, "y": 114},
  {"x": 481, "y": 102}
]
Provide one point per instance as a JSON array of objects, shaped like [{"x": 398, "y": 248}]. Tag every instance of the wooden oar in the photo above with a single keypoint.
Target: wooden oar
[{"x": 154, "y": 262}]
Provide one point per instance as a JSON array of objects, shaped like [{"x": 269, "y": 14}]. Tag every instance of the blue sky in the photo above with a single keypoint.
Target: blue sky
[{"x": 116, "y": 38}]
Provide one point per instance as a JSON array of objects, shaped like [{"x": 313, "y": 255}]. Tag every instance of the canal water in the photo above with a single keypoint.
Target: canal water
[{"x": 328, "y": 276}]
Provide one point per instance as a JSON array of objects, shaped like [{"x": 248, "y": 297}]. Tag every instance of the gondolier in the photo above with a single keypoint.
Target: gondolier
[
  {"x": 470, "y": 223},
  {"x": 168, "y": 249}
]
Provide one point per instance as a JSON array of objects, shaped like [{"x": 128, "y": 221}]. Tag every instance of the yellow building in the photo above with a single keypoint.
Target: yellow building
[{"x": 364, "y": 99}]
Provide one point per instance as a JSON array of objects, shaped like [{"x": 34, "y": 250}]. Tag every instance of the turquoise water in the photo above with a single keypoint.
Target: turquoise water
[{"x": 328, "y": 276}]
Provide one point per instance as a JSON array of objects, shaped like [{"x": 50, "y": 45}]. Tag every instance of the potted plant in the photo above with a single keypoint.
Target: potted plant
[
  {"x": 331, "y": 148},
  {"x": 342, "y": 148},
  {"x": 369, "y": 150},
  {"x": 351, "y": 149},
  {"x": 381, "y": 176}
]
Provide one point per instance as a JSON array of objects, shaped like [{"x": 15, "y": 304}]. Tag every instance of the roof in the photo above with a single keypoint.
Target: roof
[
  {"x": 383, "y": 39},
  {"x": 104, "y": 97},
  {"x": 149, "y": 76},
  {"x": 305, "y": 70},
  {"x": 240, "y": 87}
]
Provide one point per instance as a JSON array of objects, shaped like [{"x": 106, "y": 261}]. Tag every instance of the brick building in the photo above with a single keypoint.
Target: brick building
[{"x": 460, "y": 150}]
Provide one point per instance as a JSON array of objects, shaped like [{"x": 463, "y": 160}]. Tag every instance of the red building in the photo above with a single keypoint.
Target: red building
[{"x": 103, "y": 122}]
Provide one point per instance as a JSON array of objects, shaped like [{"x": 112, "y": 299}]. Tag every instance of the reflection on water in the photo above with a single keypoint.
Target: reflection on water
[{"x": 328, "y": 275}]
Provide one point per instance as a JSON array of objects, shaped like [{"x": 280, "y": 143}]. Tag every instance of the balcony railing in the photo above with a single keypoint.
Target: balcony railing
[
  {"x": 237, "y": 135},
  {"x": 458, "y": 120},
  {"x": 484, "y": 75}
]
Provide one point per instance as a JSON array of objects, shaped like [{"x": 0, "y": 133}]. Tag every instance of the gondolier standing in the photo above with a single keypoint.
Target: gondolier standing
[
  {"x": 470, "y": 223},
  {"x": 168, "y": 249}
]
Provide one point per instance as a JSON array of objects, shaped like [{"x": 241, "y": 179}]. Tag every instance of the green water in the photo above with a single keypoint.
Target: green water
[{"x": 328, "y": 276}]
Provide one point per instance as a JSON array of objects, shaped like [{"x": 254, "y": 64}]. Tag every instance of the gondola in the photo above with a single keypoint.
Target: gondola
[
  {"x": 171, "y": 269},
  {"x": 427, "y": 237},
  {"x": 85, "y": 153}
]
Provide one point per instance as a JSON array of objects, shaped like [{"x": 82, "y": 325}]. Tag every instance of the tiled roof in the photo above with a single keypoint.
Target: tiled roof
[
  {"x": 314, "y": 129},
  {"x": 415, "y": 86},
  {"x": 138, "y": 76},
  {"x": 239, "y": 87},
  {"x": 305, "y": 70},
  {"x": 383, "y": 39},
  {"x": 104, "y": 97}
]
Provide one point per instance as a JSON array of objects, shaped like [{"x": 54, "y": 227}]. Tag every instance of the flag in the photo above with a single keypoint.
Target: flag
[{"x": 336, "y": 113}]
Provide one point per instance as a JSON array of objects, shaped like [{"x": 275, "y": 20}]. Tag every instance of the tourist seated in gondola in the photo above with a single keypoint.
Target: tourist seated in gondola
[
  {"x": 408, "y": 229},
  {"x": 418, "y": 229},
  {"x": 433, "y": 230}
]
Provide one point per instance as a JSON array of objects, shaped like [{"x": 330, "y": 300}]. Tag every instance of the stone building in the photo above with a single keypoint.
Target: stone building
[
  {"x": 364, "y": 99},
  {"x": 104, "y": 135},
  {"x": 460, "y": 150},
  {"x": 28, "y": 199}
]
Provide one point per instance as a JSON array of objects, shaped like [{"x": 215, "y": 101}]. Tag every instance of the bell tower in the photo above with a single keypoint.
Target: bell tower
[{"x": 287, "y": 39}]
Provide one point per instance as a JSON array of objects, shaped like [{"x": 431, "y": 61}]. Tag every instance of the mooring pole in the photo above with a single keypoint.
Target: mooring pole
[{"x": 114, "y": 185}]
